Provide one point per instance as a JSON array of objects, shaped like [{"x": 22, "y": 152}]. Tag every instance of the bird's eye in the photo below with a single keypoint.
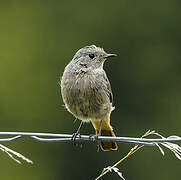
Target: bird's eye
[{"x": 91, "y": 56}]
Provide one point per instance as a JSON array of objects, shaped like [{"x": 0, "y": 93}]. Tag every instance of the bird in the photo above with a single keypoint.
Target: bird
[{"x": 86, "y": 91}]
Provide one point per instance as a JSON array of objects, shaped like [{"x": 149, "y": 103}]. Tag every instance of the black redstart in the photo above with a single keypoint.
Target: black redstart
[{"x": 86, "y": 91}]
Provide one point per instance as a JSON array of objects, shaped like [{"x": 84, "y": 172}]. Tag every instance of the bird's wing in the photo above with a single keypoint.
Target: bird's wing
[{"x": 108, "y": 88}]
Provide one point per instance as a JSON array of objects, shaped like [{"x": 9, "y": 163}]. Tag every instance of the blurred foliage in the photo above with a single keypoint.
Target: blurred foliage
[{"x": 37, "y": 40}]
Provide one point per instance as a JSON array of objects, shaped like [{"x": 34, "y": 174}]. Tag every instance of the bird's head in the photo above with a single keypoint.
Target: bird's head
[{"x": 91, "y": 56}]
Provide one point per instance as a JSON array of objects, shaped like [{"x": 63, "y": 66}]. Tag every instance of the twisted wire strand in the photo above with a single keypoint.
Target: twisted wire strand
[{"x": 52, "y": 137}]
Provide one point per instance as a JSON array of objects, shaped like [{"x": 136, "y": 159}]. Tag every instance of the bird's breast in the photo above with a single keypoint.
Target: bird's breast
[{"x": 84, "y": 95}]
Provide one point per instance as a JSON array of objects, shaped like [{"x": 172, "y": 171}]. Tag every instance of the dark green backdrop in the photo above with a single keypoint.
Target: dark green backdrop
[{"x": 38, "y": 38}]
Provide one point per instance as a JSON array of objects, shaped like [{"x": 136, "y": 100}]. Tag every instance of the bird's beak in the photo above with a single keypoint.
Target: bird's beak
[{"x": 110, "y": 55}]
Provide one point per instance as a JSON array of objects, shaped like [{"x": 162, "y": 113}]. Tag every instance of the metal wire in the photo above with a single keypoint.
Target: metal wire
[{"x": 52, "y": 137}]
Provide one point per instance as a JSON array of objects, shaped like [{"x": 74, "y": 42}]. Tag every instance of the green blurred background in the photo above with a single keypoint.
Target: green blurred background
[{"x": 37, "y": 40}]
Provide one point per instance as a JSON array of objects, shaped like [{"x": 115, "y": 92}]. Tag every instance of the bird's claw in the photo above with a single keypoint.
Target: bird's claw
[
  {"x": 75, "y": 135},
  {"x": 93, "y": 137}
]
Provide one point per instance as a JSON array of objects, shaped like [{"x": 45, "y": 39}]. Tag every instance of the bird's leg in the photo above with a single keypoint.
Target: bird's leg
[
  {"x": 100, "y": 128},
  {"x": 99, "y": 134},
  {"x": 77, "y": 133}
]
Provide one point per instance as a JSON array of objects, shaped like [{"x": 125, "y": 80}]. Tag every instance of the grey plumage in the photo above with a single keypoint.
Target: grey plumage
[
  {"x": 86, "y": 90},
  {"x": 85, "y": 87}
]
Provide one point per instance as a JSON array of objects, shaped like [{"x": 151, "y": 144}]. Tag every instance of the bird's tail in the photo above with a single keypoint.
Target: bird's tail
[{"x": 106, "y": 130}]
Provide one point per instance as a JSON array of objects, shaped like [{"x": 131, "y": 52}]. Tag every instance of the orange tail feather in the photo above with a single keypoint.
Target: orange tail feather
[{"x": 105, "y": 131}]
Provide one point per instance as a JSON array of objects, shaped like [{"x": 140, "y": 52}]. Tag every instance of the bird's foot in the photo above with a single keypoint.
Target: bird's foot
[
  {"x": 93, "y": 137},
  {"x": 74, "y": 136}
]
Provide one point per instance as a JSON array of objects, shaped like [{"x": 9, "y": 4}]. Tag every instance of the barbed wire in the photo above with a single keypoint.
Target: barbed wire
[{"x": 52, "y": 137}]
